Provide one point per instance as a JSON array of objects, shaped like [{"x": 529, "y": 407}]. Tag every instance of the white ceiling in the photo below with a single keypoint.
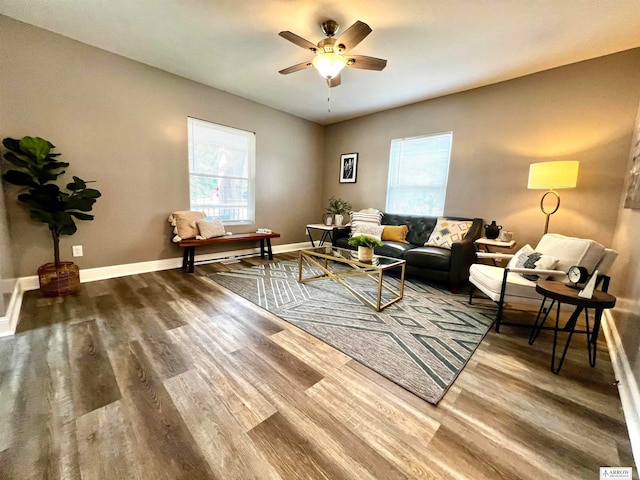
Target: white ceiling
[{"x": 433, "y": 47}]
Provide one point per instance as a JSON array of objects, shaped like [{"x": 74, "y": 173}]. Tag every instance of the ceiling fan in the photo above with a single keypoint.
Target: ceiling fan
[{"x": 331, "y": 53}]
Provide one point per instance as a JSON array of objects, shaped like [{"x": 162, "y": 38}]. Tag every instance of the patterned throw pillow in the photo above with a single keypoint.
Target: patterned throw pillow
[
  {"x": 448, "y": 231},
  {"x": 210, "y": 228},
  {"x": 527, "y": 257},
  {"x": 368, "y": 230},
  {"x": 370, "y": 217},
  {"x": 361, "y": 217},
  {"x": 395, "y": 233}
]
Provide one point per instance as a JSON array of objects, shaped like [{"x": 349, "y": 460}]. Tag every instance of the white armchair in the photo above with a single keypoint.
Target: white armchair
[{"x": 507, "y": 285}]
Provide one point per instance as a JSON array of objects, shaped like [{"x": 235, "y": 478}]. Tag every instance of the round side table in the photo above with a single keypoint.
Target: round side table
[{"x": 561, "y": 293}]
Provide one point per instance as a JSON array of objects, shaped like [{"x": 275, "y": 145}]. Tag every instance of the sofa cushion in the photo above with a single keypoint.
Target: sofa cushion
[
  {"x": 433, "y": 258},
  {"x": 526, "y": 257},
  {"x": 394, "y": 249},
  {"x": 448, "y": 231},
  {"x": 419, "y": 227},
  {"x": 395, "y": 233},
  {"x": 571, "y": 251},
  {"x": 367, "y": 230},
  {"x": 489, "y": 279}
]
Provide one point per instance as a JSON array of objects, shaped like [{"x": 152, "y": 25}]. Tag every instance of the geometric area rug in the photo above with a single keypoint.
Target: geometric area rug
[{"x": 421, "y": 342}]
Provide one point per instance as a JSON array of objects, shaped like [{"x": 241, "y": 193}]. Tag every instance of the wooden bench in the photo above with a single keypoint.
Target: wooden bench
[{"x": 188, "y": 258}]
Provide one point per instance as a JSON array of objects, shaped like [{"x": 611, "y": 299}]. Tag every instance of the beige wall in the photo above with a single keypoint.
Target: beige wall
[
  {"x": 7, "y": 277},
  {"x": 124, "y": 124},
  {"x": 582, "y": 112},
  {"x": 626, "y": 275}
]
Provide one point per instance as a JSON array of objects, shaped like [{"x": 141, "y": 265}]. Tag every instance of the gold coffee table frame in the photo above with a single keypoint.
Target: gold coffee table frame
[{"x": 320, "y": 257}]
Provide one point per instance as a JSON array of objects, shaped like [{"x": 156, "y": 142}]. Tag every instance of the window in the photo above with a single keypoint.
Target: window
[
  {"x": 221, "y": 171},
  {"x": 418, "y": 171}
]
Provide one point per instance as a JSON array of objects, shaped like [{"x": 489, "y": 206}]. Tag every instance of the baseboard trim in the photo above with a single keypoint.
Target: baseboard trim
[
  {"x": 9, "y": 322},
  {"x": 24, "y": 284},
  {"x": 627, "y": 385}
]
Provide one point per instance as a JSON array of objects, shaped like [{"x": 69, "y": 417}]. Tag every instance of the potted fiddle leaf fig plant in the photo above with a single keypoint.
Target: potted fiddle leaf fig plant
[
  {"x": 37, "y": 170},
  {"x": 338, "y": 208},
  {"x": 365, "y": 244}
]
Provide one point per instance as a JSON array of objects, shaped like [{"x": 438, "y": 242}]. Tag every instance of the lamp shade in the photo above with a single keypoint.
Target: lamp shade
[
  {"x": 329, "y": 64},
  {"x": 553, "y": 175}
]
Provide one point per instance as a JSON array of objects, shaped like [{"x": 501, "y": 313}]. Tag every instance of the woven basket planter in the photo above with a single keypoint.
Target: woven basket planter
[{"x": 56, "y": 282}]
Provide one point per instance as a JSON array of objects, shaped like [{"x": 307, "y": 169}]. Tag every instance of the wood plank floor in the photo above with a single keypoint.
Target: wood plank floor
[{"x": 167, "y": 376}]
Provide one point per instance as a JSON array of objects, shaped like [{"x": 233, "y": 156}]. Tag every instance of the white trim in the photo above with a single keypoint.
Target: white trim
[
  {"x": 627, "y": 384},
  {"x": 8, "y": 324}
]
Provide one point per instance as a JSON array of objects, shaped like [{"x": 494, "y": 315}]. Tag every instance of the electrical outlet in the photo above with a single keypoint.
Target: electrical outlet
[{"x": 77, "y": 250}]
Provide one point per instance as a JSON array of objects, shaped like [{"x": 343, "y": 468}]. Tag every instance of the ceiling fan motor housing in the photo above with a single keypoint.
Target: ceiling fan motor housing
[{"x": 330, "y": 27}]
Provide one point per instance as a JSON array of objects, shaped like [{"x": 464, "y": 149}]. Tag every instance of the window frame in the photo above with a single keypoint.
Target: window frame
[
  {"x": 394, "y": 169},
  {"x": 251, "y": 178}
]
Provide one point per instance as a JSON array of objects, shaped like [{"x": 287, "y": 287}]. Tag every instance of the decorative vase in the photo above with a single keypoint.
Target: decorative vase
[
  {"x": 365, "y": 254},
  {"x": 56, "y": 282},
  {"x": 337, "y": 219},
  {"x": 492, "y": 231}
]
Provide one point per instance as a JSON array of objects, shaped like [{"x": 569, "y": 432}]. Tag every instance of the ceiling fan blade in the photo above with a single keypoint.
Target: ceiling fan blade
[
  {"x": 335, "y": 81},
  {"x": 353, "y": 35},
  {"x": 366, "y": 63},
  {"x": 298, "y": 40},
  {"x": 295, "y": 68}
]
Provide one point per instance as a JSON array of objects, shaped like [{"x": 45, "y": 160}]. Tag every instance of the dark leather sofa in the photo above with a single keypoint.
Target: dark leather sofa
[{"x": 450, "y": 267}]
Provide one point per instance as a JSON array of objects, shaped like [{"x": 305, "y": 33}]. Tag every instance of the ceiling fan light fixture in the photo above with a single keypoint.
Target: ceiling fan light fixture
[{"x": 329, "y": 64}]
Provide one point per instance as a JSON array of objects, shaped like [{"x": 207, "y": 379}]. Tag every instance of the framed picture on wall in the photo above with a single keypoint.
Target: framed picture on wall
[
  {"x": 348, "y": 167},
  {"x": 632, "y": 199}
]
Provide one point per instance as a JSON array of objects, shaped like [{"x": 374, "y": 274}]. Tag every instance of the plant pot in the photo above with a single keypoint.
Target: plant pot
[
  {"x": 56, "y": 282},
  {"x": 365, "y": 254},
  {"x": 337, "y": 219}
]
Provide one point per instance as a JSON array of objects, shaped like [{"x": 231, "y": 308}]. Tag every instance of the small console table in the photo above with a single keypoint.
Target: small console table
[
  {"x": 327, "y": 232},
  {"x": 560, "y": 293},
  {"x": 485, "y": 244}
]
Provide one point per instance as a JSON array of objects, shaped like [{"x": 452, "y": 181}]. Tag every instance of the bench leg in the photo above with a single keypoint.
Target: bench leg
[
  {"x": 185, "y": 257},
  {"x": 262, "y": 249},
  {"x": 269, "y": 249},
  {"x": 192, "y": 258}
]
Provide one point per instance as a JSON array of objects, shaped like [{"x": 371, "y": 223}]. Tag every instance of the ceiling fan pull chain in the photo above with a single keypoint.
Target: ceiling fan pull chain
[{"x": 329, "y": 95}]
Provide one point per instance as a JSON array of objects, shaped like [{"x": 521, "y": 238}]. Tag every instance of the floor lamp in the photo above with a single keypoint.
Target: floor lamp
[{"x": 551, "y": 176}]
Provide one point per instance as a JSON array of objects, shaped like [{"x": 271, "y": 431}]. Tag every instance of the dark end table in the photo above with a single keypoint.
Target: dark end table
[{"x": 560, "y": 293}]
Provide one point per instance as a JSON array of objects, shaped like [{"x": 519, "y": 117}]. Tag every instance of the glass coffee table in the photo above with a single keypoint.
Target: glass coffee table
[{"x": 328, "y": 260}]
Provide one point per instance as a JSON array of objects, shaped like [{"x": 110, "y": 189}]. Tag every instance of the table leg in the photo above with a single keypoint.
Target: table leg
[
  {"x": 379, "y": 290},
  {"x": 537, "y": 327},
  {"x": 300, "y": 267},
  {"x": 313, "y": 245},
  {"x": 571, "y": 325},
  {"x": 592, "y": 338},
  {"x": 323, "y": 239},
  {"x": 262, "y": 248}
]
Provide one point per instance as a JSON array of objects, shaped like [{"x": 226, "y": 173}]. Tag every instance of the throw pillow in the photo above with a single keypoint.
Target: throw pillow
[
  {"x": 395, "y": 233},
  {"x": 368, "y": 230},
  {"x": 448, "y": 231},
  {"x": 361, "y": 217},
  {"x": 181, "y": 221},
  {"x": 210, "y": 228},
  {"x": 370, "y": 217},
  {"x": 527, "y": 257}
]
